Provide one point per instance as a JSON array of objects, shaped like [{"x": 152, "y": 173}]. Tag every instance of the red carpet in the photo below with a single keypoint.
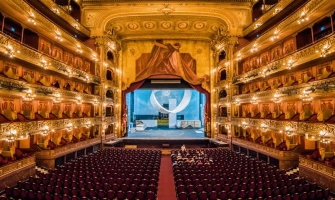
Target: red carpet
[{"x": 166, "y": 189}]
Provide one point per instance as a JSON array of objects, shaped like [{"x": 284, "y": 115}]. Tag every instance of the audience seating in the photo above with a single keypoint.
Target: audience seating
[
  {"x": 236, "y": 176},
  {"x": 106, "y": 174}
]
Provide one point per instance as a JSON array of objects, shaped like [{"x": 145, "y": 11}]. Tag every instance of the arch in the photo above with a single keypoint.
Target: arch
[
  {"x": 222, "y": 55},
  {"x": 223, "y": 74},
  {"x": 222, "y": 94},
  {"x": 110, "y": 56},
  {"x": 110, "y": 94},
  {"x": 109, "y": 75}
]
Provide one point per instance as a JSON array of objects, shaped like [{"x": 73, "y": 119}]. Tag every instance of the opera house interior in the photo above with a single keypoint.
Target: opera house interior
[{"x": 178, "y": 99}]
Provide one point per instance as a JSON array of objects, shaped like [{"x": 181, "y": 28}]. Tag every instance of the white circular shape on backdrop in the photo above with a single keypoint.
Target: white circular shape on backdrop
[{"x": 182, "y": 105}]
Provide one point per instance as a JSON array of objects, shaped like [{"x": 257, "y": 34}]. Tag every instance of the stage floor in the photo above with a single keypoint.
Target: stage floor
[{"x": 164, "y": 133}]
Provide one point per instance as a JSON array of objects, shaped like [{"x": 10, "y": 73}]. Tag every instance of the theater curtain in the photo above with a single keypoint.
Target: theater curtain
[
  {"x": 124, "y": 112},
  {"x": 207, "y": 108}
]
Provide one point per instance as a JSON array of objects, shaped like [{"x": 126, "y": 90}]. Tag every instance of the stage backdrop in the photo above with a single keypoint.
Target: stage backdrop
[{"x": 158, "y": 57}]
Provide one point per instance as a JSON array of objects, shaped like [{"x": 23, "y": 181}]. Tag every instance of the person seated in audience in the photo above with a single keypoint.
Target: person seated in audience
[
  {"x": 199, "y": 162},
  {"x": 210, "y": 159},
  {"x": 175, "y": 163},
  {"x": 206, "y": 162},
  {"x": 183, "y": 148}
]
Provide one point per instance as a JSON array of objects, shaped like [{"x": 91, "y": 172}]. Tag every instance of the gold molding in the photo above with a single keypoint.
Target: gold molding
[
  {"x": 65, "y": 16},
  {"x": 17, "y": 165},
  {"x": 275, "y": 153},
  {"x": 317, "y": 166},
  {"x": 34, "y": 127},
  {"x": 69, "y": 148},
  {"x": 287, "y": 27},
  {"x": 34, "y": 57},
  {"x": 22, "y": 10},
  {"x": 268, "y": 15},
  {"x": 298, "y": 58}
]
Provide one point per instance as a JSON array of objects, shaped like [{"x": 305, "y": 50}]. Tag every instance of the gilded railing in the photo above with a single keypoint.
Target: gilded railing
[
  {"x": 17, "y": 165},
  {"x": 69, "y": 148},
  {"x": 23, "y": 8},
  {"x": 275, "y": 153},
  {"x": 64, "y": 15},
  {"x": 15, "y": 49},
  {"x": 281, "y": 5},
  {"x": 34, "y": 127},
  {"x": 288, "y": 25},
  {"x": 300, "y": 57},
  {"x": 317, "y": 166}
]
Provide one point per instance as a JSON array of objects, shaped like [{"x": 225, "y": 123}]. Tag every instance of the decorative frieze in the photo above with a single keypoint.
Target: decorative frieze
[
  {"x": 17, "y": 165},
  {"x": 34, "y": 127}
]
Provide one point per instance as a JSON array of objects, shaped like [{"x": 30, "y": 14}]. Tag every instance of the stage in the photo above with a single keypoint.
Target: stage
[{"x": 167, "y": 133}]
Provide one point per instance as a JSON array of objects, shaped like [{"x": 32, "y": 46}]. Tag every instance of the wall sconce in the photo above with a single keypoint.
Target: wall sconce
[
  {"x": 11, "y": 52},
  {"x": 289, "y": 130},
  {"x": 276, "y": 98},
  {"x": 58, "y": 36},
  {"x": 95, "y": 102},
  {"x": 303, "y": 18},
  {"x": 22, "y": 136},
  {"x": 265, "y": 72},
  {"x": 45, "y": 131},
  {"x": 254, "y": 100},
  {"x": 254, "y": 48},
  {"x": 276, "y": 10},
  {"x": 237, "y": 102},
  {"x": 289, "y": 64},
  {"x": 244, "y": 125},
  {"x": 238, "y": 58},
  {"x": 44, "y": 64},
  {"x": 105, "y": 64},
  {"x": 264, "y": 127},
  {"x": 95, "y": 58},
  {"x": 29, "y": 96},
  {"x": 305, "y": 96},
  {"x": 11, "y": 135},
  {"x": 275, "y": 36},
  {"x": 69, "y": 72},
  {"x": 324, "y": 51},
  {"x": 79, "y": 100},
  {"x": 57, "y": 98},
  {"x": 258, "y": 25},
  {"x": 88, "y": 124},
  {"x": 31, "y": 20},
  {"x": 69, "y": 127}
]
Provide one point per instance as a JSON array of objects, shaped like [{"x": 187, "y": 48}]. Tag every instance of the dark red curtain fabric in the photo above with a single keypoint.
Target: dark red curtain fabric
[{"x": 207, "y": 107}]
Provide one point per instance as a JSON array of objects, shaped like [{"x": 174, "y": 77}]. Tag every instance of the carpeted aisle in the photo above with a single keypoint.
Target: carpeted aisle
[{"x": 166, "y": 189}]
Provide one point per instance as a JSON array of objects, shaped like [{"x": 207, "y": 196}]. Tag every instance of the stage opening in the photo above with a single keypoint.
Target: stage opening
[{"x": 165, "y": 113}]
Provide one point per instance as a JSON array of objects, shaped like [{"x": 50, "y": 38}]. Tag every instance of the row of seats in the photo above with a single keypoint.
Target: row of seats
[
  {"x": 110, "y": 173},
  {"x": 235, "y": 176}
]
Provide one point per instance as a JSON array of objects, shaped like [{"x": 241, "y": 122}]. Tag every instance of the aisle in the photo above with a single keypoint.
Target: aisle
[{"x": 166, "y": 189}]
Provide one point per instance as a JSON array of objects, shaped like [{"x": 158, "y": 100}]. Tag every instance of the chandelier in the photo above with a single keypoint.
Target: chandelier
[{"x": 254, "y": 100}]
